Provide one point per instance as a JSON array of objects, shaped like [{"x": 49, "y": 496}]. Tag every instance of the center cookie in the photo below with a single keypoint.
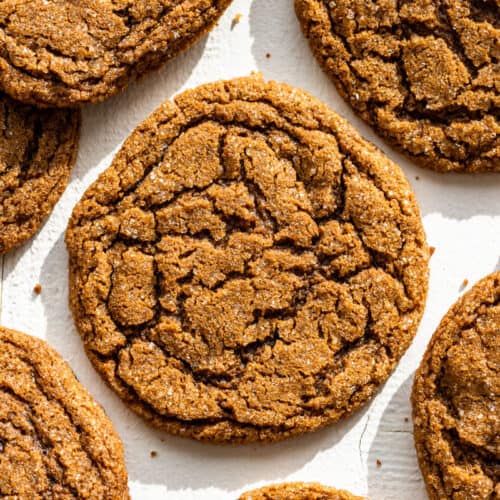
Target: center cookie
[
  {"x": 249, "y": 267},
  {"x": 424, "y": 73},
  {"x": 63, "y": 53}
]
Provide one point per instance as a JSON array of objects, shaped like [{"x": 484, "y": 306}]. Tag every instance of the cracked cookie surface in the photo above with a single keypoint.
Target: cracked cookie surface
[
  {"x": 37, "y": 152},
  {"x": 63, "y": 53},
  {"x": 249, "y": 267},
  {"x": 55, "y": 440},
  {"x": 424, "y": 73},
  {"x": 298, "y": 491},
  {"x": 456, "y": 394}
]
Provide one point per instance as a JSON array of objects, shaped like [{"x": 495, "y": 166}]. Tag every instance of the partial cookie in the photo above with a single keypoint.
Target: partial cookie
[
  {"x": 249, "y": 267},
  {"x": 424, "y": 73},
  {"x": 298, "y": 491},
  {"x": 55, "y": 440},
  {"x": 64, "y": 53},
  {"x": 37, "y": 152},
  {"x": 456, "y": 396}
]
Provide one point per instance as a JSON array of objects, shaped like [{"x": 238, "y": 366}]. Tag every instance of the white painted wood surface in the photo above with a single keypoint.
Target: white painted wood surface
[{"x": 462, "y": 220}]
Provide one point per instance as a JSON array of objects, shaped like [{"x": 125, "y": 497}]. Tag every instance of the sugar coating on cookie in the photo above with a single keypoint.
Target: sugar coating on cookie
[
  {"x": 424, "y": 73},
  {"x": 249, "y": 267},
  {"x": 55, "y": 440},
  {"x": 456, "y": 399},
  {"x": 64, "y": 53},
  {"x": 37, "y": 152},
  {"x": 298, "y": 491}
]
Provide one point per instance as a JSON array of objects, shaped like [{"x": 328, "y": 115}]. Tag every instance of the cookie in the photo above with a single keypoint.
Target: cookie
[
  {"x": 456, "y": 396},
  {"x": 249, "y": 267},
  {"x": 55, "y": 440},
  {"x": 298, "y": 491},
  {"x": 37, "y": 152},
  {"x": 424, "y": 73},
  {"x": 63, "y": 53}
]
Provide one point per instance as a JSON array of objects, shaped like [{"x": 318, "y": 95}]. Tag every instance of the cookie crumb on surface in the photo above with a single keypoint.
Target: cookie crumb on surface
[
  {"x": 379, "y": 463},
  {"x": 465, "y": 282},
  {"x": 154, "y": 454},
  {"x": 406, "y": 419},
  {"x": 37, "y": 289},
  {"x": 268, "y": 55},
  {"x": 432, "y": 250},
  {"x": 236, "y": 20}
]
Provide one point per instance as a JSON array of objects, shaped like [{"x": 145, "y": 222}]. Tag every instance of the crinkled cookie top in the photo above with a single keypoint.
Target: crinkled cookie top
[
  {"x": 64, "y": 53},
  {"x": 248, "y": 267},
  {"x": 424, "y": 73}
]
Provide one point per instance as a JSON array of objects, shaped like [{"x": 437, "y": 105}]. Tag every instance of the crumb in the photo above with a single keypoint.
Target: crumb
[
  {"x": 406, "y": 419},
  {"x": 154, "y": 454},
  {"x": 465, "y": 282},
  {"x": 37, "y": 289},
  {"x": 268, "y": 55},
  {"x": 432, "y": 250},
  {"x": 379, "y": 463},
  {"x": 417, "y": 178},
  {"x": 236, "y": 20}
]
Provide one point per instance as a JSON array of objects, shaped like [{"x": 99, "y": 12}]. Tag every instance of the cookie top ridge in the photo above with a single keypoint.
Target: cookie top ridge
[{"x": 37, "y": 152}]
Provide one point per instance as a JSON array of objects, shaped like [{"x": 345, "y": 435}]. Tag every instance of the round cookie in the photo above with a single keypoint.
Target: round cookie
[
  {"x": 424, "y": 73},
  {"x": 55, "y": 440},
  {"x": 456, "y": 396},
  {"x": 37, "y": 152},
  {"x": 298, "y": 491},
  {"x": 249, "y": 267},
  {"x": 63, "y": 53}
]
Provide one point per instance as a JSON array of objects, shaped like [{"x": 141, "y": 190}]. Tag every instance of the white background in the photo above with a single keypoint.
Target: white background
[{"x": 461, "y": 216}]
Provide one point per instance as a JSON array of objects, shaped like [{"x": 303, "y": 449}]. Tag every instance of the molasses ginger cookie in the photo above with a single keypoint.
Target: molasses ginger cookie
[
  {"x": 298, "y": 491},
  {"x": 37, "y": 152},
  {"x": 55, "y": 440},
  {"x": 424, "y": 73},
  {"x": 456, "y": 395},
  {"x": 249, "y": 267},
  {"x": 63, "y": 53}
]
